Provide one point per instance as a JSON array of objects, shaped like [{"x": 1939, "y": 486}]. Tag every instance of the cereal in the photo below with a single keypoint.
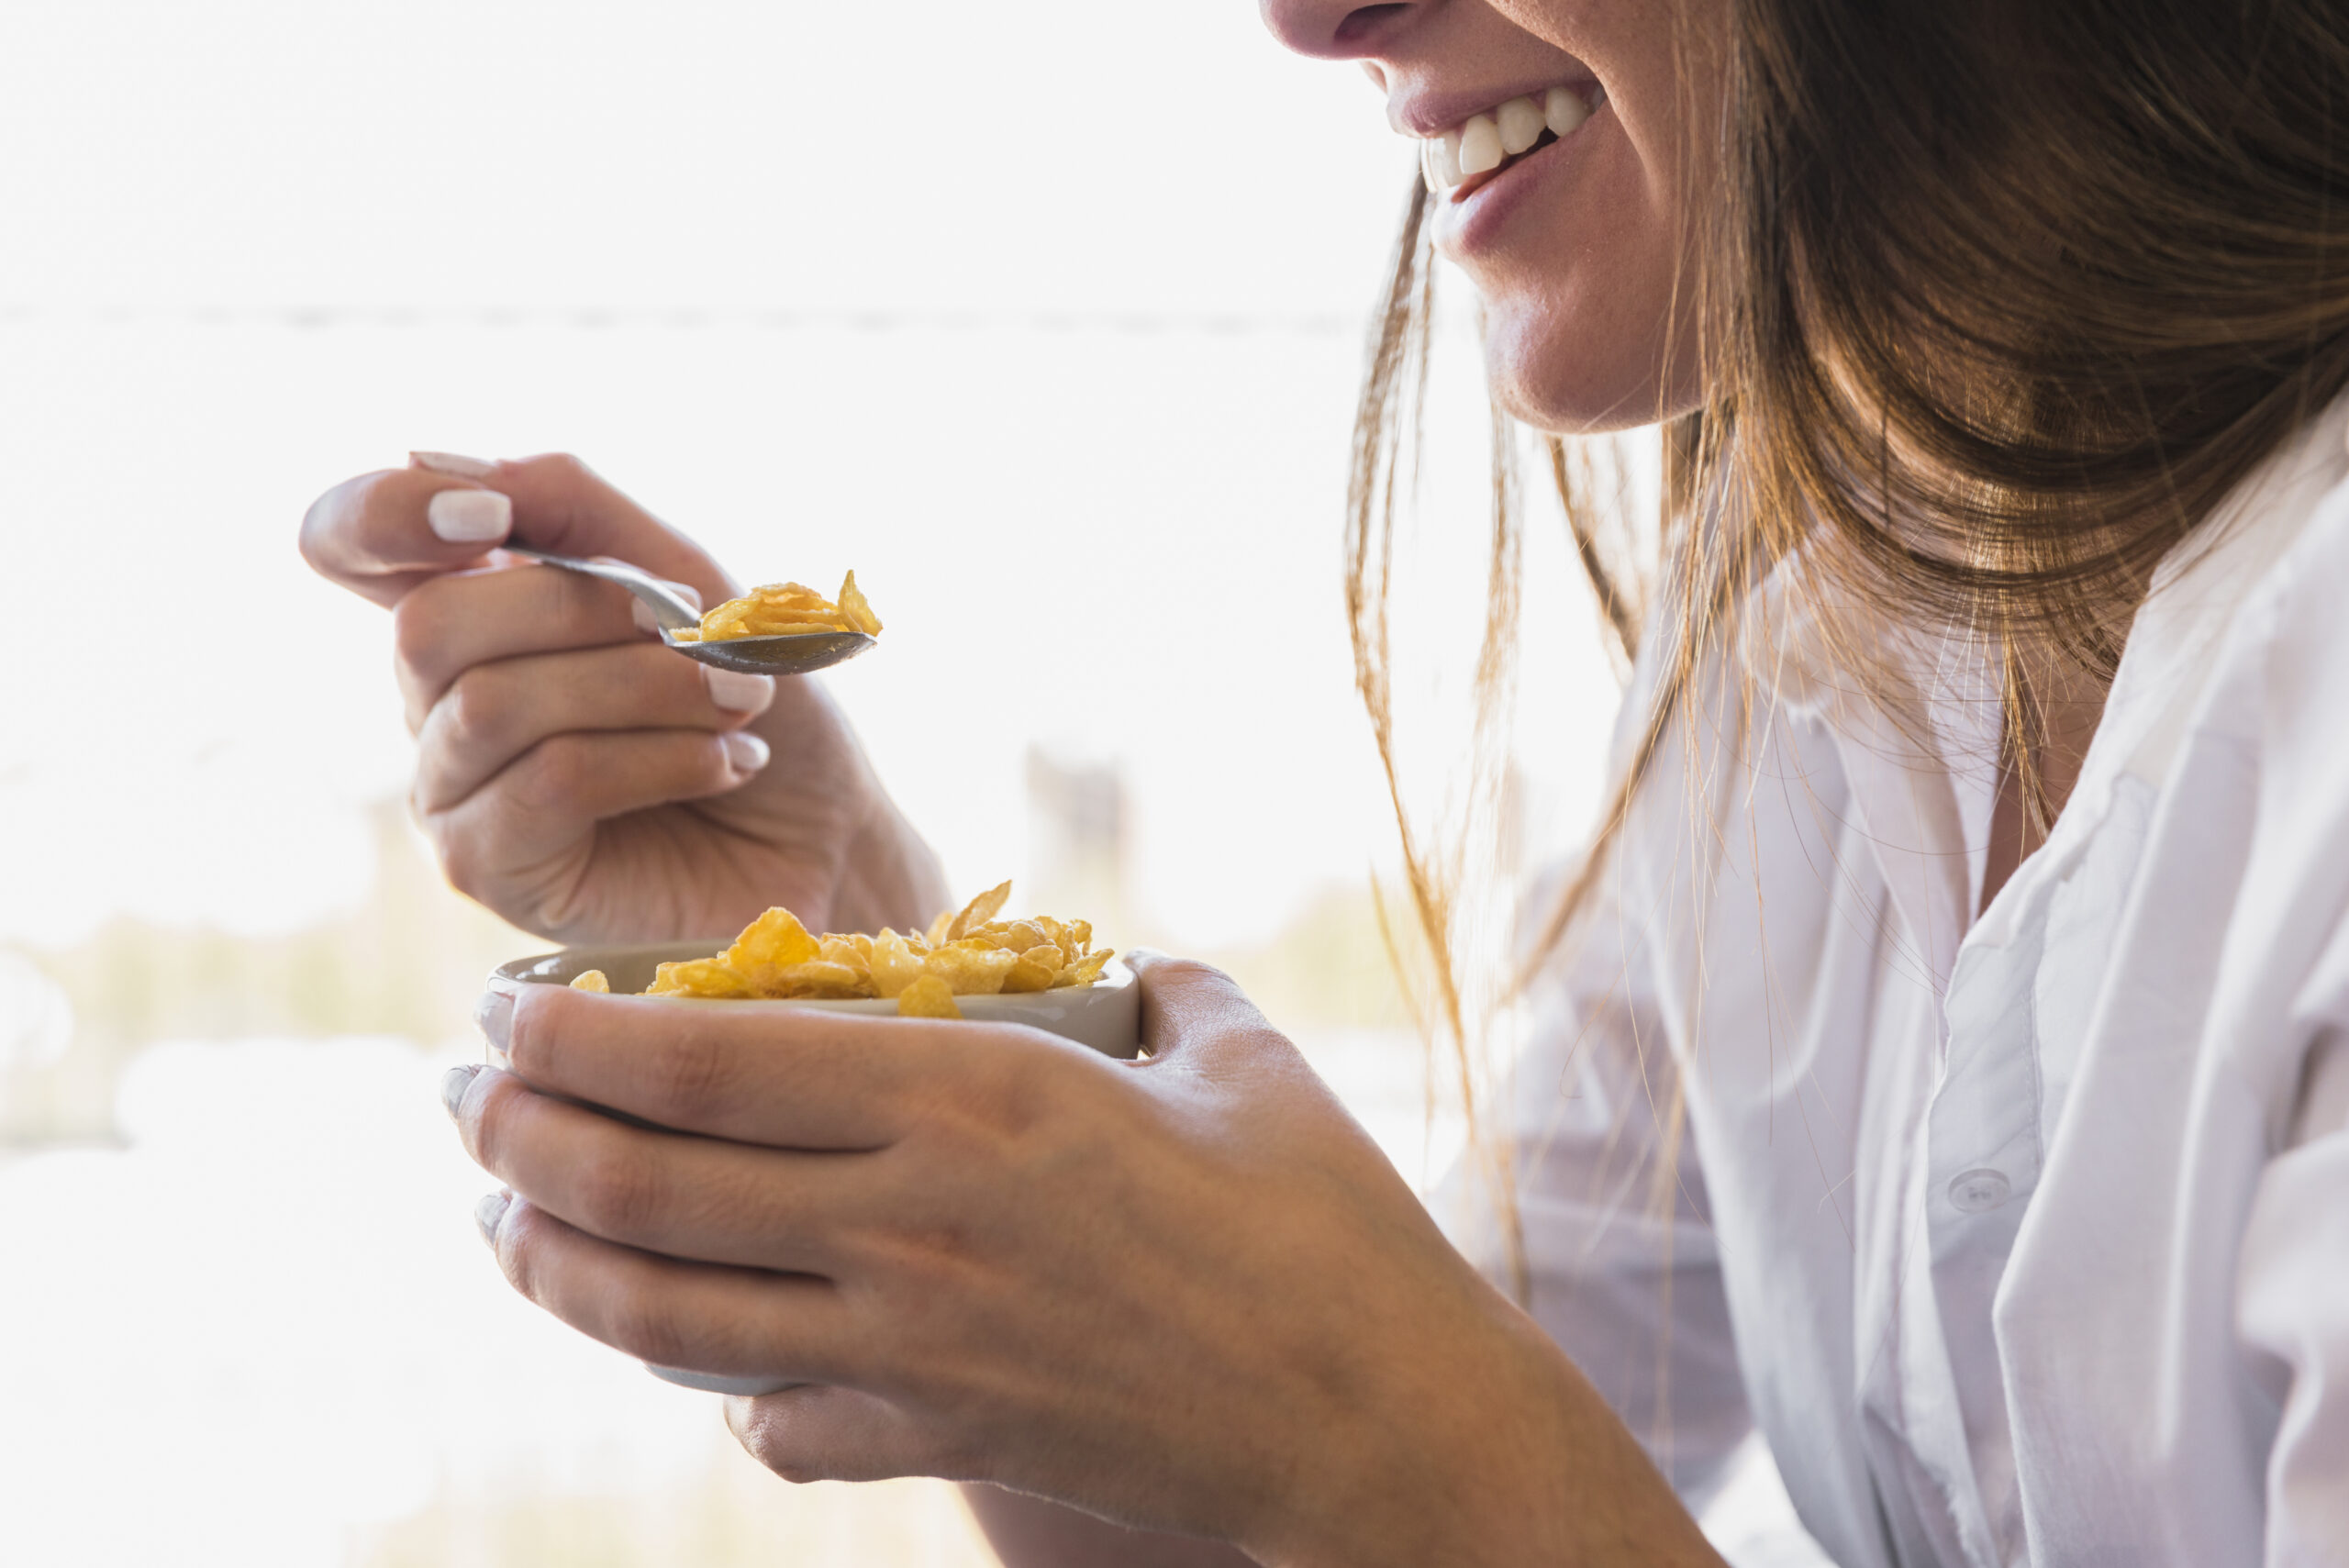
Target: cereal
[
  {"x": 786, "y": 609},
  {"x": 928, "y": 998},
  {"x": 965, "y": 952},
  {"x": 592, "y": 980}
]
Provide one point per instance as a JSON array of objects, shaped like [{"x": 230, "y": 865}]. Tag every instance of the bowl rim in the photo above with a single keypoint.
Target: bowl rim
[{"x": 1116, "y": 978}]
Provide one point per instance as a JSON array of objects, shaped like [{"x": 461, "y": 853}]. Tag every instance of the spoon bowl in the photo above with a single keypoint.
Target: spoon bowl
[
  {"x": 797, "y": 654},
  {"x": 801, "y": 653}
]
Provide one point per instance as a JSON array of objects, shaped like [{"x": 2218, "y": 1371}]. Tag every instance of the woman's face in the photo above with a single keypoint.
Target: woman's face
[{"x": 1575, "y": 244}]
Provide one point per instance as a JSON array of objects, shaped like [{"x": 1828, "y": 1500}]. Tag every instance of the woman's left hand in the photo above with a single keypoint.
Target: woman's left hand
[{"x": 1186, "y": 1293}]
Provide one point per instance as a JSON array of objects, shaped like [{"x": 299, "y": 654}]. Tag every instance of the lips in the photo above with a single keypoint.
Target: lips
[{"x": 1457, "y": 160}]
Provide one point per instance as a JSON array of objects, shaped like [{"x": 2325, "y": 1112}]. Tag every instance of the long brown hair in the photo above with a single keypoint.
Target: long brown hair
[{"x": 1995, "y": 304}]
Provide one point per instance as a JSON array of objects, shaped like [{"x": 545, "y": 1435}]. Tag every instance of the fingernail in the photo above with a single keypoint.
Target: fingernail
[
  {"x": 738, "y": 691},
  {"x": 454, "y": 1085},
  {"x": 449, "y": 463},
  {"x": 746, "y": 752},
  {"x": 469, "y": 517},
  {"x": 494, "y": 1016},
  {"x": 490, "y": 1212}
]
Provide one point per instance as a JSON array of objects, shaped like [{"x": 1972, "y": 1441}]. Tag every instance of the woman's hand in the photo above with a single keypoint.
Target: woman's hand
[
  {"x": 1186, "y": 1293},
  {"x": 576, "y": 775}
]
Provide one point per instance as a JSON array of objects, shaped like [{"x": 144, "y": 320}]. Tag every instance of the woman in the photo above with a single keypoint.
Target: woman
[{"x": 1940, "y": 1064}]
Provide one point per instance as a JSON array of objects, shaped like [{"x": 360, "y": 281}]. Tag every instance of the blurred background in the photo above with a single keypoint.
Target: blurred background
[{"x": 1045, "y": 318}]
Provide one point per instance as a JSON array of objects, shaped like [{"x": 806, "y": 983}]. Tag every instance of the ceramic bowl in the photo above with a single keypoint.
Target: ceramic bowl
[{"x": 1105, "y": 1015}]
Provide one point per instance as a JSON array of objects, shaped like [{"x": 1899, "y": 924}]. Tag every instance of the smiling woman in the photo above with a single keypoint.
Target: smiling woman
[{"x": 1935, "y": 1060}]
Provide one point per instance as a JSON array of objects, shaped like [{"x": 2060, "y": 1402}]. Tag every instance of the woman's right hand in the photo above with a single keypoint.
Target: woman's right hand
[{"x": 579, "y": 778}]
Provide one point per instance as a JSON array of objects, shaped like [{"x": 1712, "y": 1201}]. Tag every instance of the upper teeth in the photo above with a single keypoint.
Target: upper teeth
[{"x": 1479, "y": 145}]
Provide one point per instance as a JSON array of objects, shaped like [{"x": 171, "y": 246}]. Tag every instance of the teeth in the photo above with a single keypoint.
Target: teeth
[
  {"x": 1431, "y": 156},
  {"x": 1488, "y": 140},
  {"x": 1480, "y": 145},
  {"x": 1443, "y": 160},
  {"x": 1562, "y": 111},
  {"x": 1440, "y": 161},
  {"x": 1520, "y": 123}
]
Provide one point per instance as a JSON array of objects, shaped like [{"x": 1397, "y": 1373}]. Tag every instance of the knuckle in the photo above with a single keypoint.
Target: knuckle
[
  {"x": 693, "y": 1077},
  {"x": 334, "y": 514},
  {"x": 637, "y": 1321},
  {"x": 462, "y": 866},
  {"x": 616, "y": 1198},
  {"x": 476, "y": 709},
  {"x": 418, "y": 626},
  {"x": 464, "y": 863},
  {"x": 553, "y": 777},
  {"x": 1018, "y": 1130},
  {"x": 563, "y": 475},
  {"x": 1021, "y": 1092},
  {"x": 316, "y": 521}
]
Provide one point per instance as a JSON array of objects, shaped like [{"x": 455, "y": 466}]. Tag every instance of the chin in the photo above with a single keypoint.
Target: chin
[{"x": 1571, "y": 372}]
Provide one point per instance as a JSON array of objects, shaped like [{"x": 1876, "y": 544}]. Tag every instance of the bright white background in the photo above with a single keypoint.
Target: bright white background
[{"x": 1045, "y": 318}]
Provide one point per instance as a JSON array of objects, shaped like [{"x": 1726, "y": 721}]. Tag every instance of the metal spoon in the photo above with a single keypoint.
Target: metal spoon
[{"x": 798, "y": 654}]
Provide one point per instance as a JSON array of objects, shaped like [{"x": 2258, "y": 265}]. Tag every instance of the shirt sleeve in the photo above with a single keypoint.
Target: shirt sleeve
[{"x": 1619, "y": 1265}]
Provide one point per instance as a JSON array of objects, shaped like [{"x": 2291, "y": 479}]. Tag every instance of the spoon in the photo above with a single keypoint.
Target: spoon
[{"x": 800, "y": 653}]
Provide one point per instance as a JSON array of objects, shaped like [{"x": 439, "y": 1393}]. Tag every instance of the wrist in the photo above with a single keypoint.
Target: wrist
[
  {"x": 890, "y": 876},
  {"x": 1504, "y": 1456}
]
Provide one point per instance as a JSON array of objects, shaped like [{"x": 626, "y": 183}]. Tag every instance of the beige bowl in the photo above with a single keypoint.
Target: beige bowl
[{"x": 1105, "y": 1015}]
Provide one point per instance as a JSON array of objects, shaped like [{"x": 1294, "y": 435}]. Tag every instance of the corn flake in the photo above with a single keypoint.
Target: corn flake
[
  {"x": 965, "y": 952},
  {"x": 786, "y": 609},
  {"x": 977, "y": 912},
  {"x": 928, "y": 998}
]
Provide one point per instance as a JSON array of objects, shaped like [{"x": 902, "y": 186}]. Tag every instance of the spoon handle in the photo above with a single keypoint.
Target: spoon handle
[{"x": 674, "y": 613}]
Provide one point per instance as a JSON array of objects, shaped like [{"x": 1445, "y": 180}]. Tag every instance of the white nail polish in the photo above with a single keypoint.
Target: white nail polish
[
  {"x": 745, "y": 752},
  {"x": 738, "y": 691},
  {"x": 451, "y": 463},
  {"x": 469, "y": 517}
]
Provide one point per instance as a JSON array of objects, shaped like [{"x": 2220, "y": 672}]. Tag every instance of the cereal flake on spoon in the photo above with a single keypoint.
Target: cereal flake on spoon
[{"x": 786, "y": 609}]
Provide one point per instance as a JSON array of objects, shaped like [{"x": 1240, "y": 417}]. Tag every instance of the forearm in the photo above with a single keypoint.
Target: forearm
[
  {"x": 1518, "y": 1464},
  {"x": 1573, "y": 1489},
  {"x": 1028, "y": 1533}
]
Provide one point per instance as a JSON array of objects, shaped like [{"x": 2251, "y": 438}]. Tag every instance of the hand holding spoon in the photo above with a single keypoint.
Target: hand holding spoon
[{"x": 799, "y": 653}]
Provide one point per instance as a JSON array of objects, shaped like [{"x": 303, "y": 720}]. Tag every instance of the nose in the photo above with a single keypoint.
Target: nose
[{"x": 1335, "y": 30}]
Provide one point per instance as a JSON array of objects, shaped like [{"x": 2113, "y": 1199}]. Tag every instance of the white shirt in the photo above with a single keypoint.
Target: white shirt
[{"x": 2022, "y": 1239}]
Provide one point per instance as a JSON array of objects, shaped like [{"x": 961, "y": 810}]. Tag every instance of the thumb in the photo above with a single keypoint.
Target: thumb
[
  {"x": 1196, "y": 1014},
  {"x": 561, "y": 505}
]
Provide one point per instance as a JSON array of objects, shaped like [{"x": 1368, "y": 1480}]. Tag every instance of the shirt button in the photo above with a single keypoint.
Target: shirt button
[{"x": 1978, "y": 1192}]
